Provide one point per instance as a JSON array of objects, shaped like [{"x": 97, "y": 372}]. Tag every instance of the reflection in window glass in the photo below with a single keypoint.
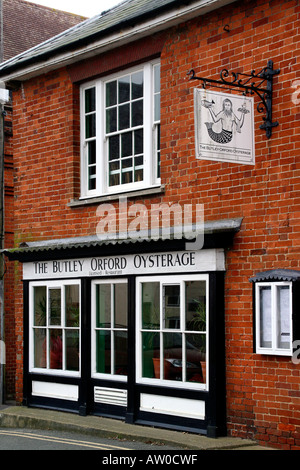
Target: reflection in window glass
[
  {"x": 284, "y": 321},
  {"x": 72, "y": 350},
  {"x": 72, "y": 305},
  {"x": 120, "y": 303},
  {"x": 171, "y": 295},
  {"x": 40, "y": 305},
  {"x": 56, "y": 326},
  {"x": 56, "y": 351},
  {"x": 103, "y": 352},
  {"x": 111, "y": 320},
  {"x": 151, "y": 305},
  {"x": 54, "y": 307},
  {"x": 195, "y": 354},
  {"x": 150, "y": 354},
  {"x": 39, "y": 346},
  {"x": 172, "y": 354},
  {"x": 103, "y": 305},
  {"x": 195, "y": 298},
  {"x": 265, "y": 317},
  {"x": 174, "y": 330},
  {"x": 120, "y": 353}
]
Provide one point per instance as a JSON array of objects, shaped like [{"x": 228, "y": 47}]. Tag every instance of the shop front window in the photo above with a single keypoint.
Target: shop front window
[
  {"x": 55, "y": 327},
  {"x": 172, "y": 322},
  {"x": 110, "y": 328}
]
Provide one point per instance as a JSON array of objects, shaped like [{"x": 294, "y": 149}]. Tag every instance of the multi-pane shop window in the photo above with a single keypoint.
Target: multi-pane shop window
[
  {"x": 109, "y": 328},
  {"x": 274, "y": 318},
  {"x": 55, "y": 326},
  {"x": 121, "y": 131},
  {"x": 173, "y": 324}
]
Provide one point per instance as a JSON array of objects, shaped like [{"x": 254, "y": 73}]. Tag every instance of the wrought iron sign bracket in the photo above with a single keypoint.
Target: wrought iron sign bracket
[{"x": 260, "y": 83}]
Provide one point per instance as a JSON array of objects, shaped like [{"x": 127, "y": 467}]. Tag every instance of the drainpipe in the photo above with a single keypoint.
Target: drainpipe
[{"x": 4, "y": 98}]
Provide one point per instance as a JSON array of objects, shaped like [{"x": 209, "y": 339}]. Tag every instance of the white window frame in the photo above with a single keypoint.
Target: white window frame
[
  {"x": 169, "y": 280},
  {"x": 274, "y": 313},
  {"x": 94, "y": 374},
  {"x": 150, "y": 127},
  {"x": 57, "y": 284}
]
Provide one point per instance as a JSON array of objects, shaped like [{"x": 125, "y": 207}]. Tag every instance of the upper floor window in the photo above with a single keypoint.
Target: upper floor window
[{"x": 120, "y": 131}]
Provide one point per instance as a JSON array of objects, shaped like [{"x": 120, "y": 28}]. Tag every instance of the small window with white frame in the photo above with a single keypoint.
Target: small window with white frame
[
  {"x": 273, "y": 318},
  {"x": 274, "y": 295},
  {"x": 120, "y": 132}
]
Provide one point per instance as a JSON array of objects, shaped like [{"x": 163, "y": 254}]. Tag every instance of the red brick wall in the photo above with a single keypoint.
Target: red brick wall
[
  {"x": 263, "y": 398},
  {"x": 9, "y": 266}
]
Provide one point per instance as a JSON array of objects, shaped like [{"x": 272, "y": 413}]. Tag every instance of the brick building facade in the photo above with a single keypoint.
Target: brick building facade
[
  {"x": 34, "y": 24},
  {"x": 79, "y": 146}
]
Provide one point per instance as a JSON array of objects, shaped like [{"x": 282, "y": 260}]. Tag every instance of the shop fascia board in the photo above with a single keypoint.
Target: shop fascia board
[{"x": 52, "y": 60}]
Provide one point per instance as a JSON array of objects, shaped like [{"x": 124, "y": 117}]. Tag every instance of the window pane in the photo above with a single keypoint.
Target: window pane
[
  {"x": 120, "y": 352},
  {"x": 126, "y": 144},
  {"x": 91, "y": 152},
  {"x": 158, "y": 149},
  {"x": 103, "y": 352},
  {"x": 40, "y": 306},
  {"x": 137, "y": 85},
  {"x": 157, "y": 93},
  {"x": 127, "y": 177},
  {"x": 137, "y": 113},
  {"x": 126, "y": 163},
  {"x": 103, "y": 305},
  {"x": 150, "y": 352},
  {"x": 56, "y": 349},
  {"x": 265, "y": 317},
  {"x": 90, "y": 100},
  {"x": 172, "y": 353},
  {"x": 111, "y": 120},
  {"x": 40, "y": 348},
  {"x": 90, "y": 126},
  {"x": 124, "y": 116},
  {"x": 151, "y": 305},
  {"x": 92, "y": 178},
  {"x": 195, "y": 298},
  {"x": 138, "y": 142},
  {"x": 114, "y": 179},
  {"x": 72, "y": 305},
  {"x": 171, "y": 306},
  {"x": 138, "y": 175},
  {"x": 157, "y": 79},
  {"x": 157, "y": 108},
  {"x": 195, "y": 358},
  {"x": 283, "y": 325},
  {"x": 72, "y": 350},
  {"x": 120, "y": 320},
  {"x": 124, "y": 89},
  {"x": 111, "y": 93},
  {"x": 54, "y": 307},
  {"x": 113, "y": 147}
]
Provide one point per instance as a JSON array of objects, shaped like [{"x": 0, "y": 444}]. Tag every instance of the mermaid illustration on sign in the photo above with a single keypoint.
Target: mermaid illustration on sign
[{"x": 225, "y": 121}]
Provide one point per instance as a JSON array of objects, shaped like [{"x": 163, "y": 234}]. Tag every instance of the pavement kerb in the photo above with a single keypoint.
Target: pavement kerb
[{"x": 36, "y": 418}]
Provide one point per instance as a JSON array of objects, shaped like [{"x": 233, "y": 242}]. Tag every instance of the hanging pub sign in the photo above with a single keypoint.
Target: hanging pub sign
[{"x": 224, "y": 127}]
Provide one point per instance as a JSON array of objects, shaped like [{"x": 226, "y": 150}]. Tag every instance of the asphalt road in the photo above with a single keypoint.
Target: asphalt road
[{"x": 33, "y": 439}]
